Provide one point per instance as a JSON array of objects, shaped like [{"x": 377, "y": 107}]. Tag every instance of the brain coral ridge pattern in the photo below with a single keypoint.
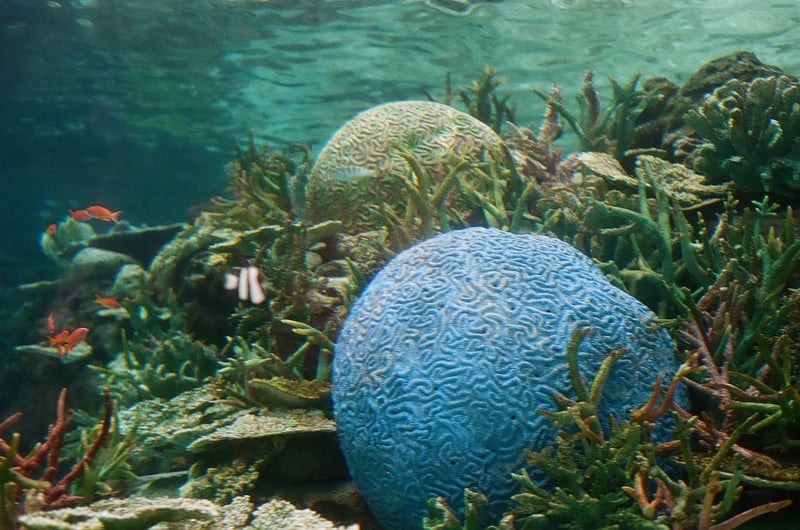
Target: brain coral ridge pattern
[
  {"x": 363, "y": 144},
  {"x": 453, "y": 347}
]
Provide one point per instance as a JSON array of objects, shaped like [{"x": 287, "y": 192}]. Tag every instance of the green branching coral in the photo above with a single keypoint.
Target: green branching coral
[
  {"x": 609, "y": 129},
  {"x": 634, "y": 227},
  {"x": 589, "y": 469},
  {"x": 725, "y": 282},
  {"x": 441, "y": 517},
  {"x": 482, "y": 101},
  {"x": 614, "y": 480},
  {"x": 491, "y": 193},
  {"x": 255, "y": 377},
  {"x": 265, "y": 185},
  {"x": 751, "y": 134},
  {"x": 175, "y": 365}
]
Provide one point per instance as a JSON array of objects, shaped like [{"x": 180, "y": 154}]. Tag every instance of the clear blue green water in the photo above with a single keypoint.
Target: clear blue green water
[{"x": 136, "y": 104}]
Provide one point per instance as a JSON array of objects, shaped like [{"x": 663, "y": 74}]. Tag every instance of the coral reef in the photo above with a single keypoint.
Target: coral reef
[
  {"x": 453, "y": 347},
  {"x": 750, "y": 135},
  {"x": 450, "y": 347}
]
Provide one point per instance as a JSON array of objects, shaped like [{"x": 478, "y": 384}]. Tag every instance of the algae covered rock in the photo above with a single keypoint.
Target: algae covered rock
[
  {"x": 352, "y": 175},
  {"x": 137, "y": 512},
  {"x": 453, "y": 347}
]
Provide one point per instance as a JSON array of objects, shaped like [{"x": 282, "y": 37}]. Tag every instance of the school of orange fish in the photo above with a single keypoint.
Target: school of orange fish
[{"x": 65, "y": 340}]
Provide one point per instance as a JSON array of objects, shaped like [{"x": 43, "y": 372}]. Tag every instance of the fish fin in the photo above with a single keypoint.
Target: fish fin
[{"x": 231, "y": 281}]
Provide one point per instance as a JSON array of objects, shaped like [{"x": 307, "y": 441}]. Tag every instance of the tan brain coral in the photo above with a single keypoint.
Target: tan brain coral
[{"x": 352, "y": 172}]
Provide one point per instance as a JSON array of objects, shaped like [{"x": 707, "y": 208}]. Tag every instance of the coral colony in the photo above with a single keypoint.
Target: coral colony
[
  {"x": 505, "y": 338},
  {"x": 451, "y": 345}
]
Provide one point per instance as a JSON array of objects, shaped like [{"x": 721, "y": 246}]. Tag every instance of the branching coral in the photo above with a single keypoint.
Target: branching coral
[
  {"x": 615, "y": 480},
  {"x": 366, "y": 163},
  {"x": 540, "y": 158},
  {"x": 752, "y": 135},
  {"x": 608, "y": 130},
  {"x": 634, "y": 227},
  {"x": 174, "y": 365},
  {"x": 482, "y": 101},
  {"x": 35, "y": 477},
  {"x": 266, "y": 186},
  {"x": 745, "y": 334},
  {"x": 441, "y": 517}
]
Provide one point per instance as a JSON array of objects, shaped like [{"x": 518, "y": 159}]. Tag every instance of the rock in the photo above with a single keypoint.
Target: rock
[
  {"x": 142, "y": 244},
  {"x": 130, "y": 279},
  {"x": 97, "y": 263}
]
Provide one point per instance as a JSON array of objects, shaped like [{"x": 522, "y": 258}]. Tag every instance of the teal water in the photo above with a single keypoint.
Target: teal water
[
  {"x": 136, "y": 103},
  {"x": 128, "y": 100}
]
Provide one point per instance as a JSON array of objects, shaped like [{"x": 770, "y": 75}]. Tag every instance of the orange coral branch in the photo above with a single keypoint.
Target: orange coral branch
[
  {"x": 639, "y": 494},
  {"x": 737, "y": 520},
  {"x": 56, "y": 496},
  {"x": 47, "y": 453}
]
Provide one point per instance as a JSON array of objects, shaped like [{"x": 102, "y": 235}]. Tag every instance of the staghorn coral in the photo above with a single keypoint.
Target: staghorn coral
[
  {"x": 450, "y": 348},
  {"x": 483, "y": 103},
  {"x": 610, "y": 129},
  {"x": 617, "y": 478},
  {"x": 265, "y": 186},
  {"x": 751, "y": 133}
]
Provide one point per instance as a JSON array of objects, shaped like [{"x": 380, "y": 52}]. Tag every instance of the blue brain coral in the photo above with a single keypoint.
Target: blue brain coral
[{"x": 447, "y": 355}]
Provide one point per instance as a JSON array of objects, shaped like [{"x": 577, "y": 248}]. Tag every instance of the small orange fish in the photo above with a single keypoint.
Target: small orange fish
[
  {"x": 60, "y": 339},
  {"x": 51, "y": 324},
  {"x": 65, "y": 341},
  {"x": 81, "y": 215},
  {"x": 102, "y": 213},
  {"x": 52, "y": 229},
  {"x": 75, "y": 338},
  {"x": 108, "y": 303}
]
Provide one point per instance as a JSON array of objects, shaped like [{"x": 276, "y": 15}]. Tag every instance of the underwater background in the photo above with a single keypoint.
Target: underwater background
[{"x": 138, "y": 105}]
